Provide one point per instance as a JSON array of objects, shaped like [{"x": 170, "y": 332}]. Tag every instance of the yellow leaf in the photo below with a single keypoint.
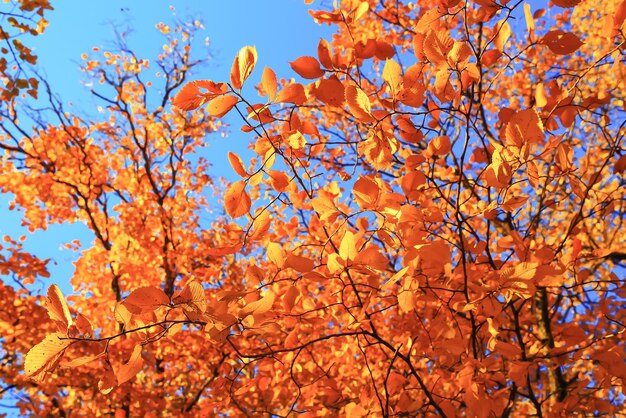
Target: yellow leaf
[
  {"x": 392, "y": 75},
  {"x": 502, "y": 34},
  {"x": 347, "y": 248},
  {"x": 42, "y": 357},
  {"x": 359, "y": 104},
  {"x": 57, "y": 307},
  {"x": 530, "y": 22},
  {"x": 275, "y": 254},
  {"x": 242, "y": 66}
]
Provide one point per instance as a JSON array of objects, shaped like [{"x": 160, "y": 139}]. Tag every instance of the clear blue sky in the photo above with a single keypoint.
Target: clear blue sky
[{"x": 280, "y": 30}]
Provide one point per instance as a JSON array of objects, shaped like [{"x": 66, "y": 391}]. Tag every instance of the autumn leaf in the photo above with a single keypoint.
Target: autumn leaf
[
  {"x": 330, "y": 91},
  {"x": 324, "y": 53},
  {"x": 561, "y": 43},
  {"x": 269, "y": 83},
  {"x": 237, "y": 164},
  {"x": 392, "y": 74},
  {"x": 236, "y": 201},
  {"x": 191, "y": 97},
  {"x": 128, "y": 370},
  {"x": 42, "y": 357},
  {"x": 359, "y": 103},
  {"x": 221, "y": 105},
  {"x": 279, "y": 180},
  {"x": 242, "y": 66},
  {"x": 292, "y": 93},
  {"x": 307, "y": 67},
  {"x": 146, "y": 299},
  {"x": 299, "y": 263},
  {"x": 57, "y": 307},
  {"x": 260, "y": 306},
  {"x": 347, "y": 248}
]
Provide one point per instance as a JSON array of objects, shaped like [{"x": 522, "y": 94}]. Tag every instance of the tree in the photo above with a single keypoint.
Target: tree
[{"x": 431, "y": 224}]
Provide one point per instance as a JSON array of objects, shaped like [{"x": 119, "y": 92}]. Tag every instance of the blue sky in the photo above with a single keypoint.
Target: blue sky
[{"x": 281, "y": 31}]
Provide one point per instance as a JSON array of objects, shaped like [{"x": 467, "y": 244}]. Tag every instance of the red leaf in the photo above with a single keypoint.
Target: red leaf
[{"x": 562, "y": 43}]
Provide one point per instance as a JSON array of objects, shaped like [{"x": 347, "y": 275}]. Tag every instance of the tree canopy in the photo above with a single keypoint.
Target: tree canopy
[{"x": 429, "y": 220}]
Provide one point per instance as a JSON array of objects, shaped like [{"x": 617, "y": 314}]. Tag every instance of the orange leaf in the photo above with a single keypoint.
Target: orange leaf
[
  {"x": 106, "y": 382},
  {"x": 242, "y": 66},
  {"x": 330, "y": 91},
  {"x": 411, "y": 184},
  {"x": 307, "y": 67},
  {"x": 293, "y": 93},
  {"x": 80, "y": 361},
  {"x": 324, "y": 54},
  {"x": 42, "y": 357},
  {"x": 359, "y": 104},
  {"x": 128, "y": 370},
  {"x": 146, "y": 299},
  {"x": 299, "y": 263},
  {"x": 190, "y": 97},
  {"x": 236, "y": 201},
  {"x": 289, "y": 299},
  {"x": 57, "y": 307},
  {"x": 279, "y": 180},
  {"x": 269, "y": 83},
  {"x": 221, "y": 105},
  {"x": 561, "y": 43},
  {"x": 260, "y": 225},
  {"x": 526, "y": 125},
  {"x": 83, "y": 324},
  {"x": 366, "y": 192},
  {"x": 325, "y": 209},
  {"x": 436, "y": 47},
  {"x": 237, "y": 164},
  {"x": 384, "y": 50},
  {"x": 260, "y": 306},
  {"x": 440, "y": 145}
]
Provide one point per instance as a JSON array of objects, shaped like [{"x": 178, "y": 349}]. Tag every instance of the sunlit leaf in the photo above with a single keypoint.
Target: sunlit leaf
[
  {"x": 307, "y": 67},
  {"x": 236, "y": 201}
]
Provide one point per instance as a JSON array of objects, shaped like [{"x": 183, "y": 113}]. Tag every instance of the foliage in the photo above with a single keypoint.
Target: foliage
[{"x": 431, "y": 224}]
